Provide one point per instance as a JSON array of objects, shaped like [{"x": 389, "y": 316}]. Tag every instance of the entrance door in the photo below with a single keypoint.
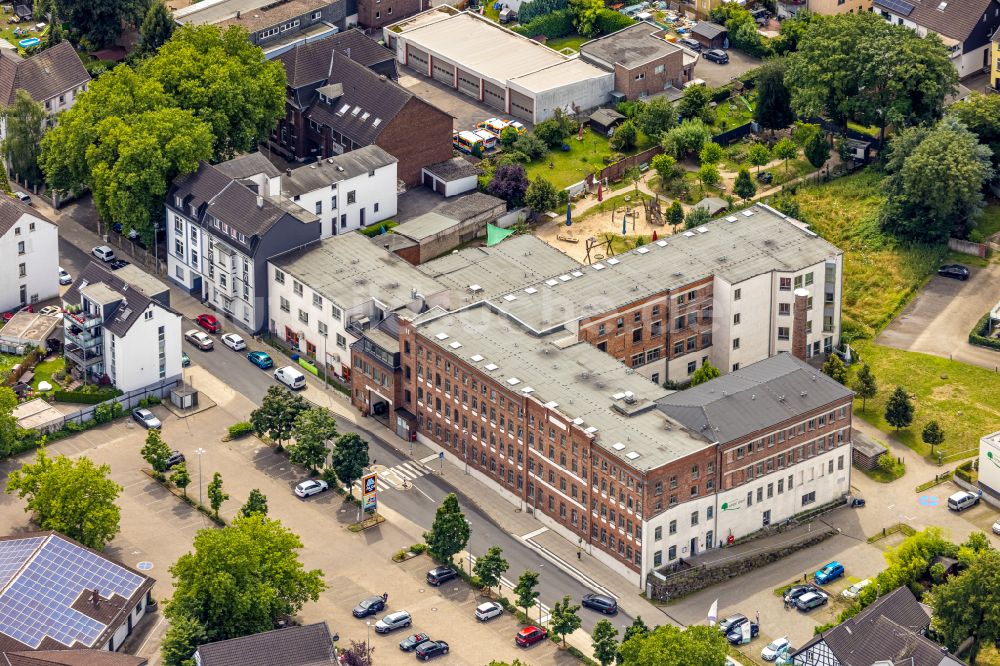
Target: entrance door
[
  {"x": 709, "y": 539},
  {"x": 767, "y": 518},
  {"x": 694, "y": 546},
  {"x": 24, "y": 294}
]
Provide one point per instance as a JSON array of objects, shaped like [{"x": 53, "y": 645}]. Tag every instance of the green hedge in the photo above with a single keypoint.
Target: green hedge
[
  {"x": 376, "y": 229},
  {"x": 86, "y": 397},
  {"x": 980, "y": 334},
  {"x": 240, "y": 429},
  {"x": 532, "y": 10},
  {"x": 553, "y": 25},
  {"x": 608, "y": 21}
]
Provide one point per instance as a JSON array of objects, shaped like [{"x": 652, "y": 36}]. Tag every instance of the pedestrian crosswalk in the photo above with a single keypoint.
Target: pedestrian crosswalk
[{"x": 394, "y": 477}]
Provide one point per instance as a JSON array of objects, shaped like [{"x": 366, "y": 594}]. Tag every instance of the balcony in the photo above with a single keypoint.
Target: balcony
[
  {"x": 83, "y": 357},
  {"x": 83, "y": 320}
]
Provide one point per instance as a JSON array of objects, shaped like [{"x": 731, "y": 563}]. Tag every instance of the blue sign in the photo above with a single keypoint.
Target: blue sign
[
  {"x": 369, "y": 500},
  {"x": 441, "y": 456}
]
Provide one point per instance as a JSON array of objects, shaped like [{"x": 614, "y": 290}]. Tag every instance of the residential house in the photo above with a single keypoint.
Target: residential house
[
  {"x": 221, "y": 231},
  {"x": 110, "y": 328},
  {"x": 71, "y": 658},
  {"x": 54, "y": 78},
  {"x": 376, "y": 14},
  {"x": 965, "y": 27},
  {"x": 995, "y": 61},
  {"x": 29, "y": 245},
  {"x": 274, "y": 26},
  {"x": 643, "y": 62},
  {"x": 309, "y": 645},
  {"x": 58, "y": 595},
  {"x": 831, "y": 7}
]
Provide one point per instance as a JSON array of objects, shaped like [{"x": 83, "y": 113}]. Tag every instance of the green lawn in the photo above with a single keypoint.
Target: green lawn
[
  {"x": 45, "y": 370},
  {"x": 583, "y": 157},
  {"x": 569, "y": 42},
  {"x": 989, "y": 223},
  {"x": 733, "y": 113},
  {"x": 961, "y": 398}
]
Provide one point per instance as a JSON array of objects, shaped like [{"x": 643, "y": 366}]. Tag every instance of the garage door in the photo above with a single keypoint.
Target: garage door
[
  {"x": 439, "y": 186},
  {"x": 444, "y": 73},
  {"x": 468, "y": 83},
  {"x": 428, "y": 180},
  {"x": 416, "y": 59},
  {"x": 494, "y": 96},
  {"x": 522, "y": 106}
]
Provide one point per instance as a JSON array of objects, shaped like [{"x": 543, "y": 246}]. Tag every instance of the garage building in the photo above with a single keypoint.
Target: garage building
[{"x": 501, "y": 69}]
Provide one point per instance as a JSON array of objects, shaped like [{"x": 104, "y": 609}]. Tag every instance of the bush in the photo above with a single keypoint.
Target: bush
[
  {"x": 980, "y": 334},
  {"x": 376, "y": 229},
  {"x": 86, "y": 395},
  {"x": 608, "y": 21},
  {"x": 418, "y": 548},
  {"x": 720, "y": 95},
  {"x": 532, "y": 10},
  {"x": 108, "y": 411},
  {"x": 553, "y": 25},
  {"x": 240, "y": 429}
]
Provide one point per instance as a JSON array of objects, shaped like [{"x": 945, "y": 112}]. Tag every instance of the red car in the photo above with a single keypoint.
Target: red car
[
  {"x": 209, "y": 323},
  {"x": 530, "y": 636}
]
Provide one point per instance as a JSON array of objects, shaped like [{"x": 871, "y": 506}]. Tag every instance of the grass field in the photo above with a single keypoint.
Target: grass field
[
  {"x": 572, "y": 166},
  {"x": 569, "y": 42},
  {"x": 45, "y": 370},
  {"x": 961, "y": 398},
  {"x": 989, "y": 223},
  {"x": 733, "y": 113}
]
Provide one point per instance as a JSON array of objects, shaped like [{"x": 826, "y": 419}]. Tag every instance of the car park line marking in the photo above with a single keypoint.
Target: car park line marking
[{"x": 532, "y": 535}]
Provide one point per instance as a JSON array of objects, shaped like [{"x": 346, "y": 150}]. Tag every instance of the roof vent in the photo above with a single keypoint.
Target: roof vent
[
  {"x": 747, "y": 213},
  {"x": 642, "y": 250},
  {"x": 661, "y": 243},
  {"x": 475, "y": 288},
  {"x": 613, "y": 262},
  {"x": 456, "y": 345},
  {"x": 702, "y": 230},
  {"x": 551, "y": 283},
  {"x": 803, "y": 394},
  {"x": 510, "y": 297},
  {"x": 513, "y": 381},
  {"x": 618, "y": 446},
  {"x": 598, "y": 267},
  {"x": 689, "y": 234},
  {"x": 631, "y": 455},
  {"x": 531, "y": 290},
  {"x": 731, "y": 218},
  {"x": 629, "y": 398},
  {"x": 476, "y": 358},
  {"x": 441, "y": 336},
  {"x": 492, "y": 366}
]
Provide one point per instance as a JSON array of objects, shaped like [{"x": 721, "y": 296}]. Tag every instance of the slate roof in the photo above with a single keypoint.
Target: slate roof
[
  {"x": 70, "y": 658},
  {"x": 753, "y": 398},
  {"x": 44, "y": 75},
  {"x": 248, "y": 165},
  {"x": 134, "y": 301},
  {"x": 272, "y": 14},
  {"x": 310, "y": 62},
  {"x": 629, "y": 47},
  {"x": 12, "y": 210},
  {"x": 293, "y": 646},
  {"x": 956, "y": 20},
  {"x": 324, "y": 173},
  {"x": 708, "y": 30}
]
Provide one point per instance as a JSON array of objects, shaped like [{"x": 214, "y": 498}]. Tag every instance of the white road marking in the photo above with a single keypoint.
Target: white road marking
[
  {"x": 532, "y": 535},
  {"x": 429, "y": 458}
]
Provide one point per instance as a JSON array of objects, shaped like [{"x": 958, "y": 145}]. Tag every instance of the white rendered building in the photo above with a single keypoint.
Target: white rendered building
[{"x": 29, "y": 246}]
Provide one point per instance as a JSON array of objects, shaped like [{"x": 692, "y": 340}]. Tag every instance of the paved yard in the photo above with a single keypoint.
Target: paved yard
[
  {"x": 466, "y": 110},
  {"x": 716, "y": 75}
]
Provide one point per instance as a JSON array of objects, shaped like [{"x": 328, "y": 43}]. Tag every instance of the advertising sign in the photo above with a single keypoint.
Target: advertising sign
[{"x": 369, "y": 485}]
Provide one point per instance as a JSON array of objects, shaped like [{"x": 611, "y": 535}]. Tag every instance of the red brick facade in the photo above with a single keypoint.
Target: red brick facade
[
  {"x": 419, "y": 135},
  {"x": 653, "y": 77},
  {"x": 375, "y": 14}
]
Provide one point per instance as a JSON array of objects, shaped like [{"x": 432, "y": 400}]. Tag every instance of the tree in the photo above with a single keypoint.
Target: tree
[
  {"x": 709, "y": 176},
  {"x": 604, "y": 641},
  {"x": 706, "y": 372},
  {"x": 968, "y": 605},
  {"x": 181, "y": 478},
  {"x": 312, "y": 429},
  {"x": 99, "y": 22},
  {"x": 585, "y": 13},
  {"x": 277, "y": 414},
  {"x": 240, "y": 579},
  {"x": 510, "y": 182},
  {"x": 508, "y": 135},
  {"x": 541, "y": 195},
  {"x": 932, "y": 434},
  {"x": 73, "y": 497},
  {"x": 981, "y": 115},
  {"x": 637, "y": 628},
  {"x": 359, "y": 654},
  {"x": 935, "y": 185},
  {"x": 816, "y": 149},
  {"x": 668, "y": 645},
  {"x": 835, "y": 369},
  {"x": 773, "y": 109},
  {"x": 11, "y": 435},
  {"x": 530, "y": 145},
  {"x": 256, "y": 504},
  {"x": 758, "y": 155},
  {"x": 675, "y": 215},
  {"x": 656, "y": 117},
  {"x": 25, "y": 120},
  {"x": 624, "y": 137},
  {"x": 552, "y": 132},
  {"x": 450, "y": 531},
  {"x": 491, "y": 567},
  {"x": 710, "y": 153},
  {"x": 349, "y": 459},
  {"x": 685, "y": 139},
  {"x": 156, "y": 452},
  {"x": 695, "y": 218},
  {"x": 865, "y": 385},
  {"x": 182, "y": 639},
  {"x": 899, "y": 409},
  {"x": 565, "y": 618},
  {"x": 225, "y": 80},
  {"x": 216, "y": 496},
  {"x": 633, "y": 175},
  {"x": 665, "y": 167},
  {"x": 785, "y": 150},
  {"x": 157, "y": 27},
  {"x": 525, "y": 590},
  {"x": 744, "y": 186},
  {"x": 884, "y": 74},
  {"x": 694, "y": 102}
]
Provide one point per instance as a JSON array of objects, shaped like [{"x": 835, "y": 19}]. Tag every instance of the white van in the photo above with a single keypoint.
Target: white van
[
  {"x": 290, "y": 377},
  {"x": 963, "y": 500}
]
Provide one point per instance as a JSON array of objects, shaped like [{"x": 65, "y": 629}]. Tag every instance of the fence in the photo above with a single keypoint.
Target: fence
[
  {"x": 734, "y": 135},
  {"x": 615, "y": 171},
  {"x": 967, "y": 247},
  {"x": 128, "y": 401}
]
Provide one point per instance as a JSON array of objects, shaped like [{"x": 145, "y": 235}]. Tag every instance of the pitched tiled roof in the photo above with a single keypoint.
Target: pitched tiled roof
[
  {"x": 71, "y": 658},
  {"x": 294, "y": 646},
  {"x": 310, "y": 63},
  {"x": 12, "y": 210},
  {"x": 134, "y": 302},
  {"x": 44, "y": 75},
  {"x": 950, "y": 18},
  {"x": 248, "y": 165}
]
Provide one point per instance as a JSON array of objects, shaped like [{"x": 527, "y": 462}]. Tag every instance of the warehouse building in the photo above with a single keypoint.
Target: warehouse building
[{"x": 501, "y": 69}]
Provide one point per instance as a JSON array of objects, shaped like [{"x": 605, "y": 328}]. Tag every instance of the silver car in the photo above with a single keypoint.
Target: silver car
[
  {"x": 146, "y": 418},
  {"x": 393, "y": 621}
]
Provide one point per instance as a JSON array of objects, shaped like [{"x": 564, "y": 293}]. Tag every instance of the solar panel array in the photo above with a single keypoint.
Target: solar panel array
[
  {"x": 38, "y": 602},
  {"x": 900, "y": 7},
  {"x": 13, "y": 555}
]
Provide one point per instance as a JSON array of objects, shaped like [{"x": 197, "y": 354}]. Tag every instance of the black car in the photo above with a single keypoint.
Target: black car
[
  {"x": 413, "y": 641},
  {"x": 429, "y": 649},
  {"x": 692, "y": 44},
  {"x": 736, "y": 635},
  {"x": 957, "y": 271},
  {"x": 440, "y": 575},
  {"x": 600, "y": 602},
  {"x": 176, "y": 458},
  {"x": 115, "y": 264},
  {"x": 369, "y": 606},
  {"x": 716, "y": 55},
  {"x": 797, "y": 591}
]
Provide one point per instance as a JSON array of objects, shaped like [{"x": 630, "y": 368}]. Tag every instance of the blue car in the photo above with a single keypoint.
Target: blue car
[
  {"x": 830, "y": 572},
  {"x": 260, "y": 359}
]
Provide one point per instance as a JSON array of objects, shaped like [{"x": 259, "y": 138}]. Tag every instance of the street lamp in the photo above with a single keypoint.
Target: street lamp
[
  {"x": 199, "y": 452},
  {"x": 368, "y": 645}
]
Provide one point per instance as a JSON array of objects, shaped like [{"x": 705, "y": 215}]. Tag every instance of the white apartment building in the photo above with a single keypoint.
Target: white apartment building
[
  {"x": 29, "y": 245},
  {"x": 54, "y": 78},
  {"x": 113, "y": 330}
]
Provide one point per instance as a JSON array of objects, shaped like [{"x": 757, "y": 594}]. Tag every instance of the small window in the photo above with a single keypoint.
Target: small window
[{"x": 352, "y": 196}]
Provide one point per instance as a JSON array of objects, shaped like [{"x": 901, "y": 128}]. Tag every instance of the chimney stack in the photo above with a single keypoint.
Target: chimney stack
[
  {"x": 800, "y": 313},
  {"x": 95, "y": 597},
  {"x": 288, "y": 172},
  {"x": 260, "y": 201}
]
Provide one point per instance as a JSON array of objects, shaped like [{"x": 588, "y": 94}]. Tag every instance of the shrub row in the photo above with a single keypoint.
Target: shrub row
[
  {"x": 980, "y": 334},
  {"x": 241, "y": 429},
  {"x": 86, "y": 397},
  {"x": 553, "y": 25}
]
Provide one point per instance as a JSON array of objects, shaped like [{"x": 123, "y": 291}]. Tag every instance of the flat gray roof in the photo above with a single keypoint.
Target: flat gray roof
[
  {"x": 323, "y": 173},
  {"x": 141, "y": 280},
  {"x": 751, "y": 242},
  {"x": 576, "y": 380},
  {"x": 213, "y": 11},
  {"x": 631, "y": 46},
  {"x": 350, "y": 270},
  {"x": 426, "y": 225}
]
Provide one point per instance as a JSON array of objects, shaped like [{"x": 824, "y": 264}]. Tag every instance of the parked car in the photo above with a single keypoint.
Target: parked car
[
  {"x": 956, "y": 271},
  {"x": 810, "y": 600},
  {"x": 412, "y": 641},
  {"x": 530, "y": 635},
  {"x": 776, "y": 648},
  {"x": 51, "y": 310},
  {"x": 370, "y": 606},
  {"x": 146, "y": 418},
  {"x": 429, "y": 649},
  {"x": 731, "y": 622},
  {"x": 23, "y": 198},
  {"x": 393, "y": 621},
  {"x": 963, "y": 499},
  {"x": 64, "y": 276},
  {"x": 996, "y": 527},
  {"x": 208, "y": 322},
  {"x": 234, "y": 341},
  {"x": 830, "y": 572},
  {"x": 717, "y": 56},
  {"x": 735, "y": 636},
  {"x": 311, "y": 487},
  {"x": 103, "y": 252},
  {"x": 199, "y": 339},
  {"x": 599, "y": 602},
  {"x": 260, "y": 359},
  {"x": 692, "y": 44},
  {"x": 440, "y": 575},
  {"x": 854, "y": 590},
  {"x": 175, "y": 458},
  {"x": 796, "y": 591},
  {"x": 488, "y": 610},
  {"x": 115, "y": 264},
  {"x": 185, "y": 360},
  {"x": 290, "y": 377}
]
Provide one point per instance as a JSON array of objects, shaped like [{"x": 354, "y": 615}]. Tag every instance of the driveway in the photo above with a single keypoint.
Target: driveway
[
  {"x": 939, "y": 319},
  {"x": 716, "y": 75},
  {"x": 466, "y": 110}
]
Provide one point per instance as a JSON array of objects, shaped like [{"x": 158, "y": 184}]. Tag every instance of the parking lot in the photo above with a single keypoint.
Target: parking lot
[{"x": 715, "y": 75}]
